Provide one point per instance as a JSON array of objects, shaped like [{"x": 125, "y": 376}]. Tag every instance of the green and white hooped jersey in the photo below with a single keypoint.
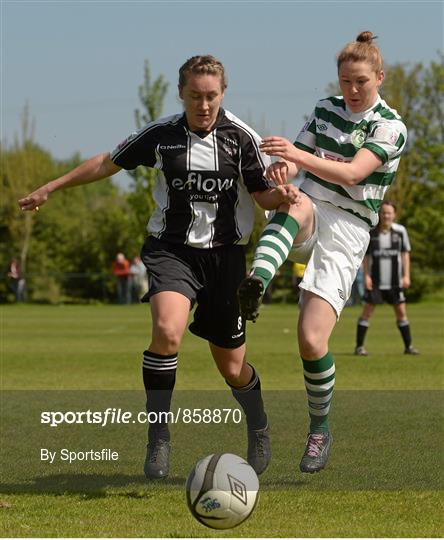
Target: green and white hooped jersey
[{"x": 333, "y": 132}]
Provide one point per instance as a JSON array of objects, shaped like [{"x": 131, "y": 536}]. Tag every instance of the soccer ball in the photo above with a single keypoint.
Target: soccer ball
[{"x": 222, "y": 490}]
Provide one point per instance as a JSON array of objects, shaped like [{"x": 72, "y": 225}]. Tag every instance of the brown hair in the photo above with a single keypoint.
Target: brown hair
[
  {"x": 362, "y": 50},
  {"x": 202, "y": 65},
  {"x": 388, "y": 203}
]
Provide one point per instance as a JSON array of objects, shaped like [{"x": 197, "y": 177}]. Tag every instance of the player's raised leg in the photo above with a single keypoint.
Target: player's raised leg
[{"x": 290, "y": 224}]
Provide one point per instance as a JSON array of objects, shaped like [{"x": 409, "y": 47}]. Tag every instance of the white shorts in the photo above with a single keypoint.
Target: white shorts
[{"x": 333, "y": 254}]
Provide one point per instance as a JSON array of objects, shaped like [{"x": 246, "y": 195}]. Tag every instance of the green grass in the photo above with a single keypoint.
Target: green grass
[{"x": 384, "y": 477}]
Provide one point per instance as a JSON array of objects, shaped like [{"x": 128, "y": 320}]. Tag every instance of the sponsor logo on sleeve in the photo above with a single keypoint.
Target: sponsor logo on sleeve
[
  {"x": 386, "y": 134},
  {"x": 126, "y": 141}
]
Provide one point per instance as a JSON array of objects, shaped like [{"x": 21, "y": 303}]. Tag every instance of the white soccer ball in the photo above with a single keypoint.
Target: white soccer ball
[{"x": 222, "y": 490}]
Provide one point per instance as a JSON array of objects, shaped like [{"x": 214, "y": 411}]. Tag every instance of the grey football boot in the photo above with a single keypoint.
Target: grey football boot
[
  {"x": 259, "y": 449},
  {"x": 316, "y": 452},
  {"x": 157, "y": 461}
]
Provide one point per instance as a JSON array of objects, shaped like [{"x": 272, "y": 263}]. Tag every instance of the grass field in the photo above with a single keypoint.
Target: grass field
[{"x": 385, "y": 475}]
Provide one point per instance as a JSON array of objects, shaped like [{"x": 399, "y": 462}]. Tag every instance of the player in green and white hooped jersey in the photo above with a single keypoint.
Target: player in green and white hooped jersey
[{"x": 350, "y": 150}]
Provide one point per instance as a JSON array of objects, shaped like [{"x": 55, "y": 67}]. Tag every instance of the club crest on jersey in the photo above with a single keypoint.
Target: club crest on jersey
[
  {"x": 230, "y": 151},
  {"x": 230, "y": 146},
  {"x": 358, "y": 138}
]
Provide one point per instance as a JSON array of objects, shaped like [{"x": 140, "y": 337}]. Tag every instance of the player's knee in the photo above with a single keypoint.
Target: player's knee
[
  {"x": 311, "y": 345},
  {"x": 167, "y": 337},
  {"x": 302, "y": 213},
  {"x": 232, "y": 373}
]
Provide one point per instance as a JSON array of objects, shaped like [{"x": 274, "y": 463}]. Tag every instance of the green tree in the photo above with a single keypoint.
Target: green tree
[
  {"x": 19, "y": 168},
  {"x": 67, "y": 248},
  {"x": 417, "y": 92},
  {"x": 76, "y": 237},
  {"x": 152, "y": 96},
  {"x": 21, "y": 165}
]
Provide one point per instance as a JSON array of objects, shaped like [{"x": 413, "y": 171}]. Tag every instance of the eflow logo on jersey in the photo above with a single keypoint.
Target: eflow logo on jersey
[{"x": 194, "y": 181}]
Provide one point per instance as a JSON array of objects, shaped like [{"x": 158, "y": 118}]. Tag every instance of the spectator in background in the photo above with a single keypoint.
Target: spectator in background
[
  {"x": 121, "y": 270},
  {"x": 138, "y": 280},
  {"x": 386, "y": 275},
  {"x": 17, "y": 280}
]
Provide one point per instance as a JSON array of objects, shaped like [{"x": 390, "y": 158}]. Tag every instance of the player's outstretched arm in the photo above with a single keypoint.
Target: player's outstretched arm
[{"x": 93, "y": 169}]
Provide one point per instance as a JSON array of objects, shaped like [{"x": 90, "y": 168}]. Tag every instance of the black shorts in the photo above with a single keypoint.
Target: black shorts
[
  {"x": 393, "y": 296},
  {"x": 208, "y": 277}
]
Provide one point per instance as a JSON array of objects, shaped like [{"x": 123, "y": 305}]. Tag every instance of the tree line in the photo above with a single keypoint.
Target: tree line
[{"x": 66, "y": 251}]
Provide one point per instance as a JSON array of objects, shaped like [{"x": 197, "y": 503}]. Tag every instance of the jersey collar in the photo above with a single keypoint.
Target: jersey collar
[
  {"x": 360, "y": 115},
  {"x": 202, "y": 134}
]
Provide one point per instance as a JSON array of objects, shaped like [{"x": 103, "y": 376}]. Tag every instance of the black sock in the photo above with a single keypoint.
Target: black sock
[
  {"x": 404, "y": 328},
  {"x": 361, "y": 330},
  {"x": 249, "y": 398},
  {"x": 159, "y": 377}
]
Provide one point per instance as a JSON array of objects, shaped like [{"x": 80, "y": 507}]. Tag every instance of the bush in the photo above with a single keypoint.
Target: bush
[{"x": 423, "y": 282}]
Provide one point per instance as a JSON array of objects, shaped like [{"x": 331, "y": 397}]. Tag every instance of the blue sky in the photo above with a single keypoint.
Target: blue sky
[{"x": 79, "y": 64}]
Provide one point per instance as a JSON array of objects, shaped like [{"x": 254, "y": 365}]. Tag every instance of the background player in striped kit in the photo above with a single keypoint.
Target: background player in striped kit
[
  {"x": 209, "y": 170},
  {"x": 386, "y": 276},
  {"x": 350, "y": 150}
]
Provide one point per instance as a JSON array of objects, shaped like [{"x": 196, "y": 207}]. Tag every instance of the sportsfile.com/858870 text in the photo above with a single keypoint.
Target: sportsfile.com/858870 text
[{"x": 113, "y": 415}]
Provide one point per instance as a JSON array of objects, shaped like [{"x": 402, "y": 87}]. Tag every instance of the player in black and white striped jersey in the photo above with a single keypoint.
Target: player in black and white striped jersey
[
  {"x": 210, "y": 171},
  {"x": 386, "y": 276},
  {"x": 201, "y": 201}
]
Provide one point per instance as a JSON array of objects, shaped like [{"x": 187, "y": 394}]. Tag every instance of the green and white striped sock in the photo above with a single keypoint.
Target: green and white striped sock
[
  {"x": 274, "y": 246},
  {"x": 319, "y": 377}
]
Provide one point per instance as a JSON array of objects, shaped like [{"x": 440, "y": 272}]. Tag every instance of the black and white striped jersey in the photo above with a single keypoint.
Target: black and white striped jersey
[
  {"x": 204, "y": 181},
  {"x": 384, "y": 252}
]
